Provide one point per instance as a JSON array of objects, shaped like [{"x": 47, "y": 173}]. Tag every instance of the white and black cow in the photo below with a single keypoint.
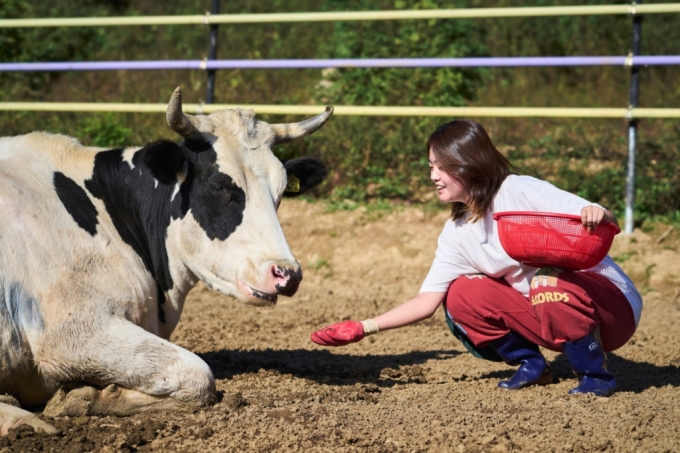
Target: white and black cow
[{"x": 99, "y": 248}]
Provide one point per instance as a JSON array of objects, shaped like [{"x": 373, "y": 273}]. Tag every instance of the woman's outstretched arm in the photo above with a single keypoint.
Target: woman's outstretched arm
[{"x": 420, "y": 307}]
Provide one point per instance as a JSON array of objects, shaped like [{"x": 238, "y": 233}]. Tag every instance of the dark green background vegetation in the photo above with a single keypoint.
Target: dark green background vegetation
[{"x": 372, "y": 158}]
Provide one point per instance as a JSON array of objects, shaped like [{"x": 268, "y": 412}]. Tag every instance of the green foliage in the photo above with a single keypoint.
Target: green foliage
[
  {"x": 603, "y": 180},
  {"x": 371, "y": 159},
  {"x": 46, "y": 44},
  {"x": 402, "y": 39},
  {"x": 103, "y": 130},
  {"x": 392, "y": 163},
  {"x": 318, "y": 264},
  {"x": 10, "y": 38},
  {"x": 625, "y": 256}
]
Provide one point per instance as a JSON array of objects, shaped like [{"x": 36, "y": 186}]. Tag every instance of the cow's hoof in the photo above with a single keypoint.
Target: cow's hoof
[
  {"x": 75, "y": 403},
  {"x": 12, "y": 417},
  {"x": 35, "y": 423}
]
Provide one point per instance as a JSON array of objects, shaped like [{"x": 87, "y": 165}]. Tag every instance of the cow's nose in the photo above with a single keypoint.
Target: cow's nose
[{"x": 286, "y": 279}]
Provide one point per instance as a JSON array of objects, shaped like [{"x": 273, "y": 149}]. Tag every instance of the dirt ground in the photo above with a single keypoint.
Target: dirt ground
[{"x": 414, "y": 389}]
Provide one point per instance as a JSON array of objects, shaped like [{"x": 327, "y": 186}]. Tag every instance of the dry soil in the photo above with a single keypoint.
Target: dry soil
[{"x": 414, "y": 389}]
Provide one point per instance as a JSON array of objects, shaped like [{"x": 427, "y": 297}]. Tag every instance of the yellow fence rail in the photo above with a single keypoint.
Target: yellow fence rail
[
  {"x": 466, "y": 13},
  {"x": 631, "y": 114},
  {"x": 506, "y": 112}
]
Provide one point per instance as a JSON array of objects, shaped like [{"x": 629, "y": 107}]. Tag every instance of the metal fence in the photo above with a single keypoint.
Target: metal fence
[{"x": 634, "y": 61}]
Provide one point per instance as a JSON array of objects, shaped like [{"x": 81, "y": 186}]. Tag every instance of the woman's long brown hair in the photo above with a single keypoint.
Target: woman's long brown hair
[{"x": 464, "y": 151}]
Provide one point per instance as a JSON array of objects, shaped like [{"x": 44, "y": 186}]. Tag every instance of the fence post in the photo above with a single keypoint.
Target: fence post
[
  {"x": 212, "y": 55},
  {"x": 632, "y": 123}
]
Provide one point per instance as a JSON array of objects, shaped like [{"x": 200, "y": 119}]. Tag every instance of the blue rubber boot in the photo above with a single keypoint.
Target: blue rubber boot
[
  {"x": 590, "y": 363},
  {"x": 517, "y": 350}
]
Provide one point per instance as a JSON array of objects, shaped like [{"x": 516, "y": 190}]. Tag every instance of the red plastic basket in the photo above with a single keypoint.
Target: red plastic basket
[{"x": 543, "y": 239}]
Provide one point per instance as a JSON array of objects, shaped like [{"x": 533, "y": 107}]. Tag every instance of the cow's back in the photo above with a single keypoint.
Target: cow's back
[{"x": 35, "y": 226}]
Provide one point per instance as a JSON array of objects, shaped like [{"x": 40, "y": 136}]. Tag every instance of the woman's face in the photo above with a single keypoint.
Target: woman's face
[{"x": 449, "y": 189}]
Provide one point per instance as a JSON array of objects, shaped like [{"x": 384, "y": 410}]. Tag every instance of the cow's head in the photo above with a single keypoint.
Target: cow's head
[{"x": 231, "y": 184}]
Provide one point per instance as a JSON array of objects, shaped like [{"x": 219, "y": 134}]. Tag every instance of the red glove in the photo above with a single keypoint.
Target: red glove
[{"x": 339, "y": 334}]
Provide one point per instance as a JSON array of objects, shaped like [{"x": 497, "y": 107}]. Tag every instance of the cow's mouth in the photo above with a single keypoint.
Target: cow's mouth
[
  {"x": 256, "y": 296},
  {"x": 265, "y": 296}
]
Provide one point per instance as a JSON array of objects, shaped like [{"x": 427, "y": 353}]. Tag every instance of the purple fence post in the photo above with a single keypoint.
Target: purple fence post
[{"x": 212, "y": 55}]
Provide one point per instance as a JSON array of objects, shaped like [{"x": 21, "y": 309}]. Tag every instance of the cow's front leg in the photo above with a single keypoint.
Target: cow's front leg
[
  {"x": 133, "y": 371},
  {"x": 111, "y": 400}
]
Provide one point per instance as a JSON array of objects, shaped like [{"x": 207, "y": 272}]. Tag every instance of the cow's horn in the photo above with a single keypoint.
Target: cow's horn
[
  {"x": 178, "y": 121},
  {"x": 287, "y": 132}
]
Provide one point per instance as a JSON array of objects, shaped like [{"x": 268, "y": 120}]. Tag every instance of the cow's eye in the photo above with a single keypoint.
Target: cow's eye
[
  {"x": 226, "y": 194},
  {"x": 222, "y": 191}
]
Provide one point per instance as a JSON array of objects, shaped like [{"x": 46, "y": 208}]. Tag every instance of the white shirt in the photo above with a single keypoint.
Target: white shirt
[{"x": 473, "y": 248}]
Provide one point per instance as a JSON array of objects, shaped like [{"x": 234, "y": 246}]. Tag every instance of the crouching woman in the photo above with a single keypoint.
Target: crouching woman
[{"x": 499, "y": 308}]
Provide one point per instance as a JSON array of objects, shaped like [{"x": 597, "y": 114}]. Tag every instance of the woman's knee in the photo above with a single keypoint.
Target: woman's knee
[{"x": 463, "y": 292}]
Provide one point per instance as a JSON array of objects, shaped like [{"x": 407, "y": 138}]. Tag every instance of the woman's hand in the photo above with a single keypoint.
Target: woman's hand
[
  {"x": 420, "y": 307},
  {"x": 592, "y": 216},
  {"x": 339, "y": 334}
]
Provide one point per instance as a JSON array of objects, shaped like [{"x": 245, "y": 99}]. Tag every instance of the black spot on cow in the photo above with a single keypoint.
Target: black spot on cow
[
  {"x": 77, "y": 203},
  {"x": 197, "y": 145},
  {"x": 165, "y": 160},
  {"x": 217, "y": 203},
  {"x": 141, "y": 209},
  {"x": 303, "y": 174}
]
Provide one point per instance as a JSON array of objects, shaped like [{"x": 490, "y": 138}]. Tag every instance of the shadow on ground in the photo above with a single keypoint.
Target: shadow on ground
[
  {"x": 321, "y": 366},
  {"x": 631, "y": 376}
]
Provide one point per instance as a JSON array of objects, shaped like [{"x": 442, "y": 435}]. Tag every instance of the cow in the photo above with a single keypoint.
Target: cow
[{"x": 99, "y": 248}]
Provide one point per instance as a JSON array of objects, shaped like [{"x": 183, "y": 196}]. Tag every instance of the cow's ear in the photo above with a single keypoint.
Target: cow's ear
[
  {"x": 303, "y": 174},
  {"x": 165, "y": 160}
]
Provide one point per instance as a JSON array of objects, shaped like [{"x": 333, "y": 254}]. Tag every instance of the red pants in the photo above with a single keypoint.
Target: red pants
[{"x": 563, "y": 306}]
